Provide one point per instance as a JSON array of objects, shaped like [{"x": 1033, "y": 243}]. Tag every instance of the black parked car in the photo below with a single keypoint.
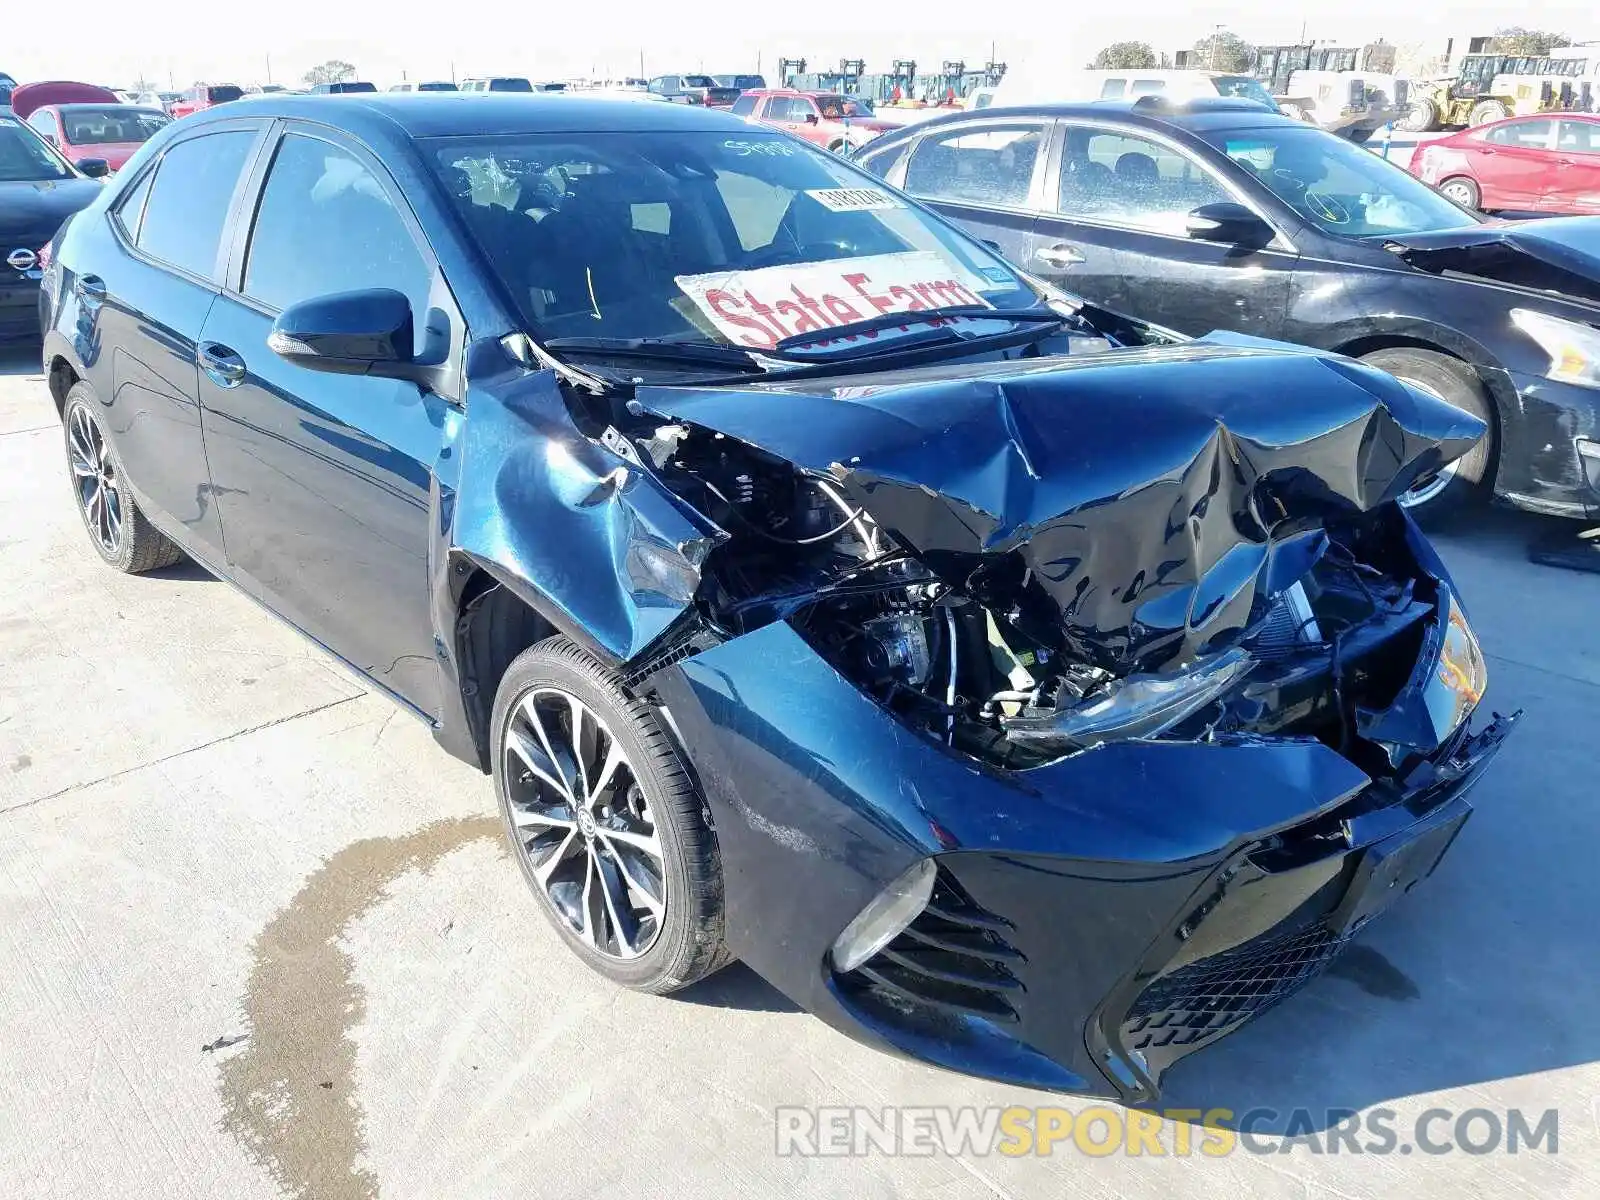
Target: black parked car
[
  {"x": 1012, "y": 685},
  {"x": 1217, "y": 215},
  {"x": 39, "y": 189}
]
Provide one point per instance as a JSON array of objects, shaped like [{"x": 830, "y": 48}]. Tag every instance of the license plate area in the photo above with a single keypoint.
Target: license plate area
[{"x": 1391, "y": 868}]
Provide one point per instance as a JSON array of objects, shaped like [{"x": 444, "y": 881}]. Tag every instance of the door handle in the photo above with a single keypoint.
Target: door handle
[
  {"x": 1566, "y": 162},
  {"x": 1488, "y": 150},
  {"x": 91, "y": 288},
  {"x": 1059, "y": 255},
  {"x": 222, "y": 364}
]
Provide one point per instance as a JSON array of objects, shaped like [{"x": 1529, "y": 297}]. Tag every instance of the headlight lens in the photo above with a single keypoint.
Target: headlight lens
[
  {"x": 1574, "y": 348},
  {"x": 883, "y": 920}
]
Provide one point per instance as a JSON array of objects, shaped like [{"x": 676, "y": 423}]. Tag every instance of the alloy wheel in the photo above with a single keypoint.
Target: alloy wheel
[
  {"x": 94, "y": 475},
  {"x": 582, "y": 823}
]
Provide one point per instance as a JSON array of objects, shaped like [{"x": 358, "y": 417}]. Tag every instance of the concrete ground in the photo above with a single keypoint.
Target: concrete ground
[{"x": 259, "y": 938}]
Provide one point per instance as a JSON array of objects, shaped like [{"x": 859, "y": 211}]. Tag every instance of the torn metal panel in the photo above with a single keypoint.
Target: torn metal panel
[
  {"x": 585, "y": 532},
  {"x": 1150, "y": 494}
]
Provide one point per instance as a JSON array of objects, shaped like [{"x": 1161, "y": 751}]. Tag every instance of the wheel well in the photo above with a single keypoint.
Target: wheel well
[
  {"x": 60, "y": 379},
  {"x": 493, "y": 626}
]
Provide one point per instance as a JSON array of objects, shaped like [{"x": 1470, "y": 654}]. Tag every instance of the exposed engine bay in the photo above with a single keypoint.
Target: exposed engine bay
[{"x": 973, "y": 656}]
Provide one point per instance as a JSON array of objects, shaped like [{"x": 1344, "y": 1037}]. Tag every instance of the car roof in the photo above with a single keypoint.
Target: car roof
[
  {"x": 1147, "y": 112},
  {"x": 455, "y": 114}
]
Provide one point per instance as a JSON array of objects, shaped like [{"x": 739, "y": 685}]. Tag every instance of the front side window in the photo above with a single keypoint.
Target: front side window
[
  {"x": 1530, "y": 135},
  {"x": 1131, "y": 181},
  {"x": 1580, "y": 137},
  {"x": 189, "y": 200},
  {"x": 325, "y": 224},
  {"x": 45, "y": 122},
  {"x": 1113, "y": 89},
  {"x": 1148, "y": 87},
  {"x": 1336, "y": 185},
  {"x": 25, "y": 156},
  {"x": 111, "y": 124},
  {"x": 993, "y": 165},
  {"x": 742, "y": 239},
  {"x": 839, "y": 108}
]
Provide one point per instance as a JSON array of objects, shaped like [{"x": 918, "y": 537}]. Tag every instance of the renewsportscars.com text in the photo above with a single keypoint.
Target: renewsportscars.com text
[{"x": 1102, "y": 1130}]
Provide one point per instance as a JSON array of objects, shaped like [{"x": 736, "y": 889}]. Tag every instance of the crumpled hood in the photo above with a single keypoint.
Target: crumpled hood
[
  {"x": 1559, "y": 253},
  {"x": 1155, "y": 495}
]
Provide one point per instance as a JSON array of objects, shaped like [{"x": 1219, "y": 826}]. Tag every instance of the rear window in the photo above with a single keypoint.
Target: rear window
[
  {"x": 699, "y": 81},
  {"x": 1245, "y": 88},
  {"x": 188, "y": 203},
  {"x": 510, "y": 84},
  {"x": 223, "y": 93},
  {"x": 744, "y": 105},
  {"x": 112, "y": 124}
]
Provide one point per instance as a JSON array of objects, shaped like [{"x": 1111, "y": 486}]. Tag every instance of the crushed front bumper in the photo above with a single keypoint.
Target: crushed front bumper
[
  {"x": 1551, "y": 460},
  {"x": 1094, "y": 920}
]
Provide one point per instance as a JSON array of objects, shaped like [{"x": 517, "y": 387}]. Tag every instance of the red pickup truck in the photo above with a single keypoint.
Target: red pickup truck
[
  {"x": 205, "y": 96},
  {"x": 838, "y": 122}
]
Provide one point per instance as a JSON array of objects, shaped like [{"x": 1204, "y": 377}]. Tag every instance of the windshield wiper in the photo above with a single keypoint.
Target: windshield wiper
[
  {"x": 795, "y": 348},
  {"x": 689, "y": 353}
]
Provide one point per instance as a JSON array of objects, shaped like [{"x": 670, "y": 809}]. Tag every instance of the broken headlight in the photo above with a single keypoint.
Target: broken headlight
[{"x": 1140, "y": 706}]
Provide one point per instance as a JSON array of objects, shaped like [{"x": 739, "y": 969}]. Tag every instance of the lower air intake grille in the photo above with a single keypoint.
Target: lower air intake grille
[
  {"x": 1213, "y": 995},
  {"x": 954, "y": 957}
]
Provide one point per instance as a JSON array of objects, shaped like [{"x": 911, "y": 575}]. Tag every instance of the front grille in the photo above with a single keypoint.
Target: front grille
[
  {"x": 955, "y": 957},
  {"x": 1212, "y": 996}
]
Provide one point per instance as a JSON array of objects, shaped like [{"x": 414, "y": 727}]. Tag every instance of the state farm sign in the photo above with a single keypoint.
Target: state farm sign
[{"x": 760, "y": 308}]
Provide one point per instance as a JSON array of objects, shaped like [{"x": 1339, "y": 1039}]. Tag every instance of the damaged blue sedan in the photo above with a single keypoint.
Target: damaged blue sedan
[{"x": 1017, "y": 686}]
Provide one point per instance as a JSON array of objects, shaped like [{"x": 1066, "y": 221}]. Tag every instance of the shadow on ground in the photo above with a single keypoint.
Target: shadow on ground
[{"x": 737, "y": 986}]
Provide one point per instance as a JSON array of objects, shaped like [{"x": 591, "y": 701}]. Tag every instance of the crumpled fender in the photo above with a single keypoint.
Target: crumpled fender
[
  {"x": 1565, "y": 250},
  {"x": 581, "y": 531},
  {"x": 1150, "y": 493}
]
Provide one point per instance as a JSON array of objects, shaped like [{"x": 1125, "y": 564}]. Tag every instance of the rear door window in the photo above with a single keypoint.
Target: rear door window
[
  {"x": 189, "y": 200},
  {"x": 744, "y": 105},
  {"x": 1113, "y": 89},
  {"x": 991, "y": 165},
  {"x": 1529, "y": 135},
  {"x": 1581, "y": 137}
]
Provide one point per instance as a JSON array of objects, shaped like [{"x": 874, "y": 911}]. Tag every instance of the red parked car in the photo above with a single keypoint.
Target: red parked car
[
  {"x": 1543, "y": 164},
  {"x": 85, "y": 122},
  {"x": 837, "y": 122},
  {"x": 204, "y": 96}
]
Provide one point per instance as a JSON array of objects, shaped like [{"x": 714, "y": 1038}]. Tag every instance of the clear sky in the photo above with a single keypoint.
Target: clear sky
[{"x": 115, "y": 41}]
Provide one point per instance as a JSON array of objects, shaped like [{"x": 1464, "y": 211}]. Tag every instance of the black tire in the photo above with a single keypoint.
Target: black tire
[
  {"x": 1462, "y": 190},
  {"x": 1488, "y": 110},
  {"x": 1454, "y": 381},
  {"x": 688, "y": 941},
  {"x": 840, "y": 147},
  {"x": 138, "y": 546},
  {"x": 1421, "y": 117}
]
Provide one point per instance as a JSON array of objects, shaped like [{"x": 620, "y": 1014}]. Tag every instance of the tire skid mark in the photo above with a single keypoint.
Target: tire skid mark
[{"x": 289, "y": 1095}]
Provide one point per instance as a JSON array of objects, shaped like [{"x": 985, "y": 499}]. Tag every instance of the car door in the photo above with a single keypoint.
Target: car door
[
  {"x": 1513, "y": 163},
  {"x": 1574, "y": 186},
  {"x": 986, "y": 175},
  {"x": 1116, "y": 233},
  {"x": 324, "y": 479},
  {"x": 149, "y": 304}
]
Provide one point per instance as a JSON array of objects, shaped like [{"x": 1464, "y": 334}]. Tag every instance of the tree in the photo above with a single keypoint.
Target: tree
[
  {"x": 332, "y": 71},
  {"x": 1514, "y": 39},
  {"x": 1223, "y": 51},
  {"x": 142, "y": 85},
  {"x": 1125, "y": 55}
]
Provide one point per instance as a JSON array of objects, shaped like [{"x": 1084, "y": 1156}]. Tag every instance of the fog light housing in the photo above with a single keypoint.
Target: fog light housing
[{"x": 885, "y": 917}]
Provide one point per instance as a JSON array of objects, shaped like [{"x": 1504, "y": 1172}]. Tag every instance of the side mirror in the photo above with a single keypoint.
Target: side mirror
[
  {"x": 94, "y": 168},
  {"x": 811, "y": 118},
  {"x": 367, "y": 332},
  {"x": 1226, "y": 221}
]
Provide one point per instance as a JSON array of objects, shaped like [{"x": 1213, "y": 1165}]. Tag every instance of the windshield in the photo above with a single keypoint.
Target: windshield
[
  {"x": 224, "y": 93},
  {"x": 699, "y": 81},
  {"x": 111, "y": 124},
  {"x": 743, "y": 240},
  {"x": 1245, "y": 88},
  {"x": 743, "y": 82},
  {"x": 836, "y": 108},
  {"x": 25, "y": 157},
  {"x": 1337, "y": 185}
]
